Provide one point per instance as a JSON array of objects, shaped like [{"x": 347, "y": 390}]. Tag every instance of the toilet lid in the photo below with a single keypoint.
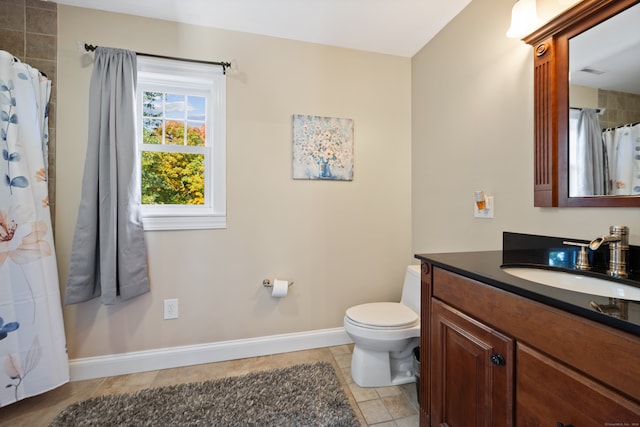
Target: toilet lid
[{"x": 383, "y": 314}]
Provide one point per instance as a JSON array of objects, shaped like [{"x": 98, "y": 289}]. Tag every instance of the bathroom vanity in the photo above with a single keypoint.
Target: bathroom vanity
[{"x": 497, "y": 350}]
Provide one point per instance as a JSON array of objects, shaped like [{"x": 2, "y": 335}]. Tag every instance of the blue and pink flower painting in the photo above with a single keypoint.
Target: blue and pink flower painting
[{"x": 322, "y": 148}]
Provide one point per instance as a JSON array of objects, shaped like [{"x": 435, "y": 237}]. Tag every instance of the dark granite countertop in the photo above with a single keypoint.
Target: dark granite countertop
[{"x": 486, "y": 266}]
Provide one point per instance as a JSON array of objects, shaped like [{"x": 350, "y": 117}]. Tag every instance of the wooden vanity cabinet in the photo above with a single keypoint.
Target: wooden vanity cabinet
[{"x": 556, "y": 368}]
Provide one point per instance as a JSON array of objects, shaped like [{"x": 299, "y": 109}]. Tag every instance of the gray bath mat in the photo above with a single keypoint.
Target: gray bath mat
[{"x": 301, "y": 395}]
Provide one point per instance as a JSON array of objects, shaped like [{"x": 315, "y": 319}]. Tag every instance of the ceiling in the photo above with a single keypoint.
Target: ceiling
[{"x": 395, "y": 27}]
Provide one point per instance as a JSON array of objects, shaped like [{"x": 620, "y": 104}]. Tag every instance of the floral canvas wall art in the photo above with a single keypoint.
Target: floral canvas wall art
[{"x": 322, "y": 148}]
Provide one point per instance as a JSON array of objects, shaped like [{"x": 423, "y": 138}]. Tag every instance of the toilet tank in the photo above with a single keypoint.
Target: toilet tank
[{"x": 411, "y": 288}]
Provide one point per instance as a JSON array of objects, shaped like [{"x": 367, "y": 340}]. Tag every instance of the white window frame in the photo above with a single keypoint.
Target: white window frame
[{"x": 162, "y": 75}]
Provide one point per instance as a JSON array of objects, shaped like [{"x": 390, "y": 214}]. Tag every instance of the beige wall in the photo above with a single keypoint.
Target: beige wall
[
  {"x": 583, "y": 97},
  {"x": 341, "y": 242},
  {"x": 472, "y": 109}
]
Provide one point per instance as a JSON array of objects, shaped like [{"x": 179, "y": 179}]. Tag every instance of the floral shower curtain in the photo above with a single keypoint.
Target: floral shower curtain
[
  {"x": 33, "y": 356},
  {"x": 623, "y": 148}
]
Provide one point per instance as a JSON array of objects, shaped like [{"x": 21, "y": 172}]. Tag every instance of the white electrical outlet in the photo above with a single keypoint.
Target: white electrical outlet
[{"x": 170, "y": 309}]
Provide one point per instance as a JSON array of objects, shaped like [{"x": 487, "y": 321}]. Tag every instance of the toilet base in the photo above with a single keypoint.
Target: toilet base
[{"x": 370, "y": 368}]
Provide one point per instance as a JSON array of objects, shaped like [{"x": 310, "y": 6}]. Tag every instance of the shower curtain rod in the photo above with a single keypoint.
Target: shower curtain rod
[
  {"x": 16, "y": 59},
  {"x": 632, "y": 124},
  {"x": 224, "y": 65}
]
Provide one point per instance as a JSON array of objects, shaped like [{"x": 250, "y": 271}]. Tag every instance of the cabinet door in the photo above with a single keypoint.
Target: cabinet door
[
  {"x": 550, "y": 393},
  {"x": 472, "y": 371}
]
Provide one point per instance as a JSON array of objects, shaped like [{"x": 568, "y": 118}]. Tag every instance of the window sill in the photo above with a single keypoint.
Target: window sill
[{"x": 183, "y": 222}]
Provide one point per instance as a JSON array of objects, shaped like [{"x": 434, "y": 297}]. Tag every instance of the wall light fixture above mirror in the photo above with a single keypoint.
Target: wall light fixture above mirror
[{"x": 524, "y": 19}]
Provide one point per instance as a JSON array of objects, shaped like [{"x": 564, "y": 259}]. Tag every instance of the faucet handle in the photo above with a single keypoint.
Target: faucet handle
[{"x": 582, "y": 263}]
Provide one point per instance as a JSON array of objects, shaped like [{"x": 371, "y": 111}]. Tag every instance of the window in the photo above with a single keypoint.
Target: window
[{"x": 182, "y": 144}]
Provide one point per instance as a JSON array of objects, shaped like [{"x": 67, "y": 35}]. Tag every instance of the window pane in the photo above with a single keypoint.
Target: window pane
[
  {"x": 197, "y": 108},
  {"x": 152, "y": 132},
  {"x": 172, "y": 178},
  {"x": 175, "y": 106},
  {"x": 196, "y": 134},
  {"x": 174, "y": 132},
  {"x": 152, "y": 104}
]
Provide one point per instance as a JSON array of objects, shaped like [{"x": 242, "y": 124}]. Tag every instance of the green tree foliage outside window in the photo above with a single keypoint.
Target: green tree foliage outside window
[{"x": 173, "y": 178}]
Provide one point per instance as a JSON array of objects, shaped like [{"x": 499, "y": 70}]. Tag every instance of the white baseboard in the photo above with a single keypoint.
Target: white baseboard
[{"x": 150, "y": 360}]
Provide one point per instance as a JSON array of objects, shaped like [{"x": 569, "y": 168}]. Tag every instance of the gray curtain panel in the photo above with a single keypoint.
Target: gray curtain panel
[
  {"x": 590, "y": 154},
  {"x": 109, "y": 253}
]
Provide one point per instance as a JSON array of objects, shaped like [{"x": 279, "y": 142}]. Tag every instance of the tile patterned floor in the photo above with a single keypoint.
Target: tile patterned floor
[{"x": 394, "y": 406}]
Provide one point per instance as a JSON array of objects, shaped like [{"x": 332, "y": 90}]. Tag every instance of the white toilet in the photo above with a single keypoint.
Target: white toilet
[{"x": 385, "y": 334}]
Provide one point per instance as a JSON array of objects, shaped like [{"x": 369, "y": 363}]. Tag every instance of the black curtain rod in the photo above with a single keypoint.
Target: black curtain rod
[{"x": 224, "y": 65}]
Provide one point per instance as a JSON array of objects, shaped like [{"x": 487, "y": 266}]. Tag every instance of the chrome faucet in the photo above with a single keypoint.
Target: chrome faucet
[{"x": 618, "y": 241}]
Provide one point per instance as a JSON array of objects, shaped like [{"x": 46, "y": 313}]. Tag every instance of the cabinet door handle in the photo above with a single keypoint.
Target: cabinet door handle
[
  {"x": 498, "y": 360},
  {"x": 559, "y": 424}
]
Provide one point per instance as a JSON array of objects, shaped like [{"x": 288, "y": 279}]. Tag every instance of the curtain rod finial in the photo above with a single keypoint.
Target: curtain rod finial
[
  {"x": 86, "y": 47},
  {"x": 230, "y": 68}
]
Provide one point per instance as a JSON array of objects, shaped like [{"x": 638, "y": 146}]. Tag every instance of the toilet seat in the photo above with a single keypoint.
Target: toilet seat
[{"x": 382, "y": 315}]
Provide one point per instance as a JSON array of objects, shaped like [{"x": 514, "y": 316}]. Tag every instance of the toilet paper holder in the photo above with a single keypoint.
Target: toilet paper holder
[{"x": 267, "y": 283}]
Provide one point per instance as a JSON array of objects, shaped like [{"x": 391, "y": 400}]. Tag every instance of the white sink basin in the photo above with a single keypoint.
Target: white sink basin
[{"x": 576, "y": 282}]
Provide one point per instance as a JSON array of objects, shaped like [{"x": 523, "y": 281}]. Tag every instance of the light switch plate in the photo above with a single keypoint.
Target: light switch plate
[{"x": 485, "y": 213}]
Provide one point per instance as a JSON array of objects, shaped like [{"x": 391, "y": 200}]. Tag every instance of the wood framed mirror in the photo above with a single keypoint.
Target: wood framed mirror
[{"x": 552, "y": 45}]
